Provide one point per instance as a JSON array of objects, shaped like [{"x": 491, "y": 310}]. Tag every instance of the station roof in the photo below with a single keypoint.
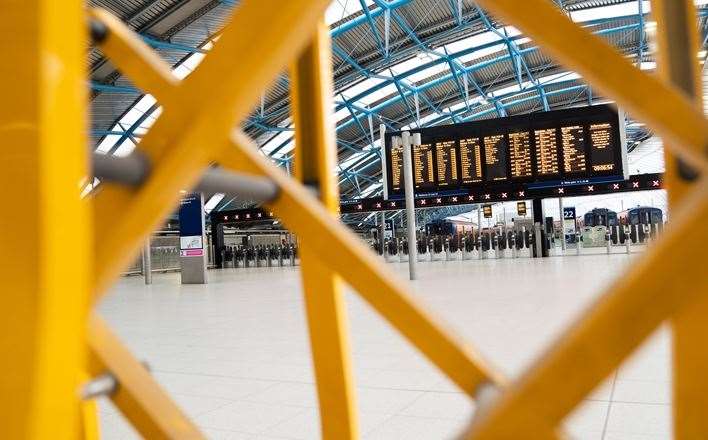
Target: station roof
[{"x": 395, "y": 62}]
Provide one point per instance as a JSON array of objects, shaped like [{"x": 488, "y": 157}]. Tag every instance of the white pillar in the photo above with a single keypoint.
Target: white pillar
[{"x": 410, "y": 204}]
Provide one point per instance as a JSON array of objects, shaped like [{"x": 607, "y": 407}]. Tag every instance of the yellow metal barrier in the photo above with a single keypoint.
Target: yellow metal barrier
[
  {"x": 49, "y": 292},
  {"x": 315, "y": 158}
]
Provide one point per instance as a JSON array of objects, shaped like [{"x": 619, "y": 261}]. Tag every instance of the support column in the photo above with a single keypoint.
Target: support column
[
  {"x": 539, "y": 249},
  {"x": 562, "y": 222},
  {"x": 410, "y": 205},
  {"x": 147, "y": 261},
  {"x": 315, "y": 158},
  {"x": 46, "y": 274}
]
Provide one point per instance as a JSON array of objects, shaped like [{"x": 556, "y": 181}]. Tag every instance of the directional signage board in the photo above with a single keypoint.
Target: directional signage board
[
  {"x": 521, "y": 209},
  {"x": 568, "y": 147}
]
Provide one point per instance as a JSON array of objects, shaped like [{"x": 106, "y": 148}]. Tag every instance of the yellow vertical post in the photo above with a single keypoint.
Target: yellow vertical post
[
  {"x": 45, "y": 268},
  {"x": 677, "y": 40},
  {"x": 315, "y": 162}
]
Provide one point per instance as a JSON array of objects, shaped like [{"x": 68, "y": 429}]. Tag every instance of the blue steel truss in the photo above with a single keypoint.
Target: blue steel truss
[{"x": 362, "y": 172}]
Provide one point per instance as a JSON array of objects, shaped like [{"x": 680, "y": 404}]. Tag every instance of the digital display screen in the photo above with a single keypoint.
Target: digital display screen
[
  {"x": 495, "y": 154},
  {"x": 487, "y": 210},
  {"x": 396, "y": 162},
  {"x": 520, "y": 154},
  {"x": 546, "y": 152},
  {"x": 423, "y": 167},
  {"x": 573, "y": 141},
  {"x": 471, "y": 160},
  {"x": 602, "y": 148},
  {"x": 569, "y": 147},
  {"x": 446, "y": 158}
]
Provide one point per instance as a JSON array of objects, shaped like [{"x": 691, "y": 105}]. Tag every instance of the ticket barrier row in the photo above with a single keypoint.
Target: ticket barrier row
[
  {"x": 470, "y": 246},
  {"x": 615, "y": 236},
  {"x": 259, "y": 256}
]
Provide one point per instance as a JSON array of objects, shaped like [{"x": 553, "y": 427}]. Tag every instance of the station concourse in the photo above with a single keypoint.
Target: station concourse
[{"x": 340, "y": 219}]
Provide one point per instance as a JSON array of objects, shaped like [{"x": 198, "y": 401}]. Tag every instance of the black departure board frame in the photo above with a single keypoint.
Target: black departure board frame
[{"x": 517, "y": 137}]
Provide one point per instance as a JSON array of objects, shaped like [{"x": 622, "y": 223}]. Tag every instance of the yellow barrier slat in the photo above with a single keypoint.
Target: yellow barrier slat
[
  {"x": 89, "y": 423},
  {"x": 347, "y": 256},
  {"x": 183, "y": 140},
  {"x": 315, "y": 158},
  {"x": 135, "y": 59},
  {"x": 669, "y": 112},
  {"x": 138, "y": 396},
  {"x": 677, "y": 41},
  {"x": 620, "y": 320},
  {"x": 45, "y": 265}
]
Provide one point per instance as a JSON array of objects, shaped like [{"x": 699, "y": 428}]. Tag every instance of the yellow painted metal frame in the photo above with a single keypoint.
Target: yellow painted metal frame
[
  {"x": 46, "y": 271},
  {"x": 53, "y": 290},
  {"x": 677, "y": 41},
  {"x": 315, "y": 160}
]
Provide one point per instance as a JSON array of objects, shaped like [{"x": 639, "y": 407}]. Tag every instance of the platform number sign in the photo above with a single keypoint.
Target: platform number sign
[
  {"x": 569, "y": 213},
  {"x": 521, "y": 208},
  {"x": 487, "y": 210}
]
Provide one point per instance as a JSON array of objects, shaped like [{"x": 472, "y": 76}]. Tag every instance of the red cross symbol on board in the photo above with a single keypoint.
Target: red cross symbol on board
[
  {"x": 591, "y": 187},
  {"x": 561, "y": 191},
  {"x": 454, "y": 199},
  {"x": 378, "y": 205},
  {"x": 226, "y": 217},
  {"x": 470, "y": 197},
  {"x": 521, "y": 193},
  {"x": 487, "y": 196},
  {"x": 248, "y": 215},
  {"x": 359, "y": 207},
  {"x": 654, "y": 183},
  {"x": 259, "y": 215},
  {"x": 504, "y": 195},
  {"x": 438, "y": 200},
  {"x": 635, "y": 184},
  {"x": 270, "y": 214},
  {"x": 393, "y": 203},
  {"x": 422, "y": 202},
  {"x": 615, "y": 186},
  {"x": 236, "y": 217}
]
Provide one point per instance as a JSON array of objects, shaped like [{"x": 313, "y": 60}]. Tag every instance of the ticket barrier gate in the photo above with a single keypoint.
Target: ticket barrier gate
[
  {"x": 238, "y": 256},
  {"x": 437, "y": 246},
  {"x": 468, "y": 245},
  {"x": 391, "y": 250},
  {"x": 485, "y": 244},
  {"x": 294, "y": 256},
  {"x": 403, "y": 251},
  {"x": 528, "y": 240},
  {"x": 422, "y": 248},
  {"x": 250, "y": 257},
  {"x": 642, "y": 233},
  {"x": 452, "y": 249}
]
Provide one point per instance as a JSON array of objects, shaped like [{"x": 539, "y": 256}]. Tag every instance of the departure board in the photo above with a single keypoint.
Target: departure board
[
  {"x": 396, "y": 168},
  {"x": 423, "y": 167},
  {"x": 546, "y": 152},
  {"x": 574, "y": 146},
  {"x": 520, "y": 154},
  {"x": 602, "y": 153},
  {"x": 573, "y": 142},
  {"x": 471, "y": 160},
  {"x": 495, "y": 154},
  {"x": 446, "y": 159}
]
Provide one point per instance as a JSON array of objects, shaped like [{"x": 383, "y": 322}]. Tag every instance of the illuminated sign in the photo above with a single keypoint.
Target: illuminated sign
[{"x": 574, "y": 146}]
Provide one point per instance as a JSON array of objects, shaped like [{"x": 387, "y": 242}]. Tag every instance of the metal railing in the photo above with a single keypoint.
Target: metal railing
[{"x": 196, "y": 129}]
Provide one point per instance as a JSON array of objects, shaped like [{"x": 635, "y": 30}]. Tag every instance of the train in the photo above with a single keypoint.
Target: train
[{"x": 643, "y": 222}]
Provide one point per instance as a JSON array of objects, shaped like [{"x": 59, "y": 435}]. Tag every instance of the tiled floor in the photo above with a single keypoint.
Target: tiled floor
[{"x": 234, "y": 353}]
